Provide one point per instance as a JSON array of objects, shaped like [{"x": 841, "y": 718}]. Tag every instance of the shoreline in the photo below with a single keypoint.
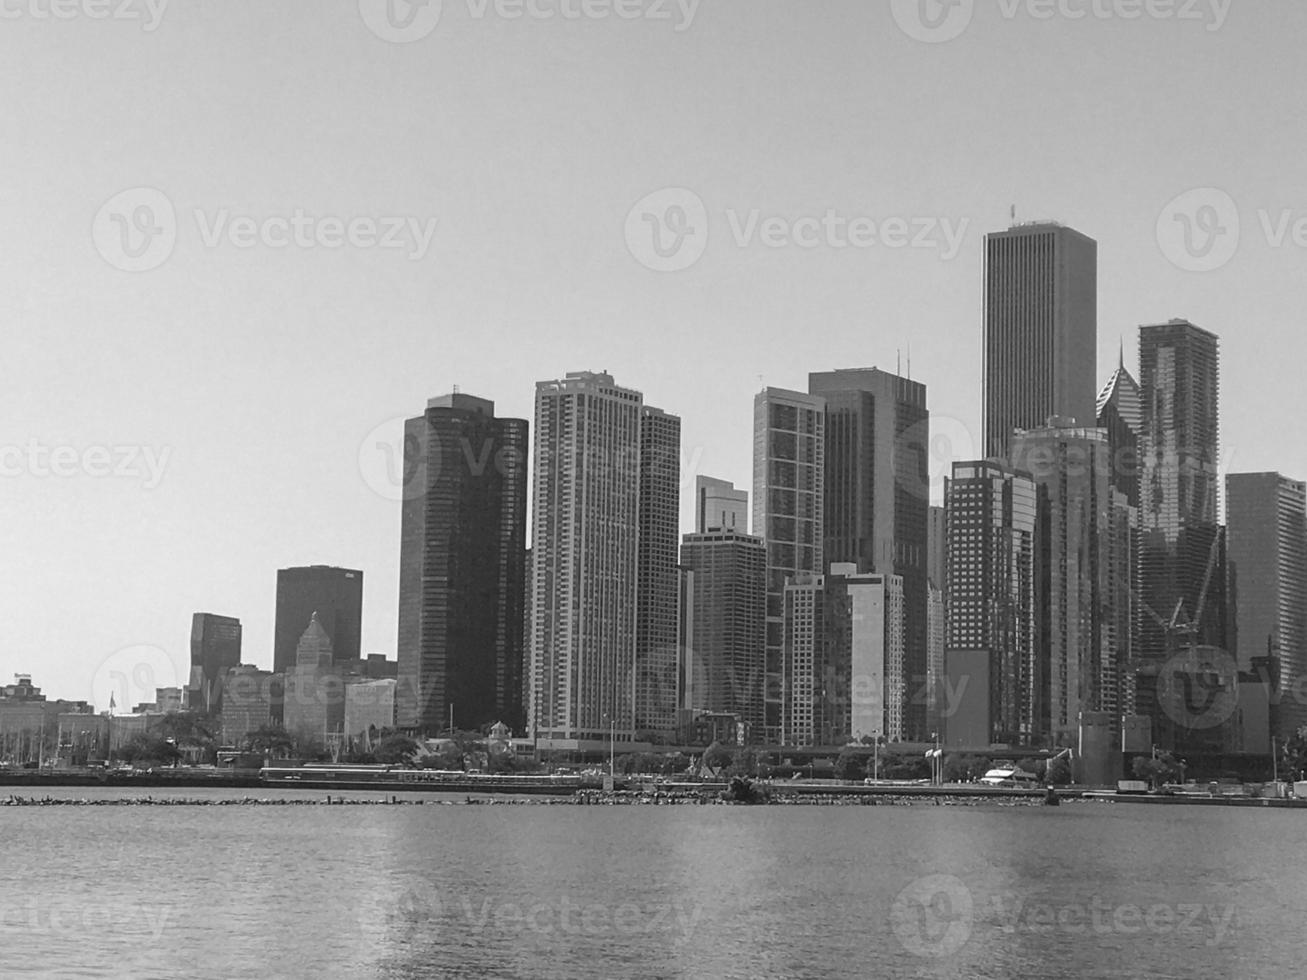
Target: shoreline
[{"x": 590, "y": 797}]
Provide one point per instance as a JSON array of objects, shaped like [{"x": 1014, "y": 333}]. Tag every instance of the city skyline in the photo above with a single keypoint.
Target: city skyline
[{"x": 253, "y": 486}]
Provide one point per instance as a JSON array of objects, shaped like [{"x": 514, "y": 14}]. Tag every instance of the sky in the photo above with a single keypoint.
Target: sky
[{"x": 239, "y": 240}]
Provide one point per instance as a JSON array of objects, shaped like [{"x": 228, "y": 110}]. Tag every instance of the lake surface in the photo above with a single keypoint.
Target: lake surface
[{"x": 1083, "y": 890}]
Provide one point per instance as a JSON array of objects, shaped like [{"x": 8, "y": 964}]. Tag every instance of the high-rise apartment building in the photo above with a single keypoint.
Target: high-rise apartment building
[
  {"x": 1181, "y": 564},
  {"x": 462, "y": 567},
  {"x": 725, "y": 647},
  {"x": 1266, "y": 517},
  {"x": 585, "y": 559},
  {"x": 335, "y": 594},
  {"x": 991, "y": 593},
  {"x": 789, "y": 449},
  {"x": 215, "y": 649},
  {"x": 877, "y": 498},
  {"x": 843, "y": 667},
  {"x": 657, "y": 647},
  {"x": 1041, "y": 330}
]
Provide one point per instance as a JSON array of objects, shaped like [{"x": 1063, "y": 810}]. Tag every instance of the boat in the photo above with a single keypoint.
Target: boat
[{"x": 1010, "y": 777}]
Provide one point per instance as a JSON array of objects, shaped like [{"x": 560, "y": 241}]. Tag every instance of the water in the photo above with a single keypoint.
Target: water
[{"x": 1084, "y": 890}]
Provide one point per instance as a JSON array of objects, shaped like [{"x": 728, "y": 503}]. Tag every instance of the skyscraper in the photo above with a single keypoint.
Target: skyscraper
[
  {"x": 1266, "y": 515},
  {"x": 718, "y": 505},
  {"x": 585, "y": 557},
  {"x": 843, "y": 658},
  {"x": 877, "y": 498},
  {"x": 789, "y": 449},
  {"x": 215, "y": 649},
  {"x": 991, "y": 593},
  {"x": 726, "y": 647},
  {"x": 335, "y": 594},
  {"x": 462, "y": 567},
  {"x": 657, "y": 650},
  {"x": 1181, "y": 568},
  {"x": 1041, "y": 330},
  {"x": 1082, "y": 666}
]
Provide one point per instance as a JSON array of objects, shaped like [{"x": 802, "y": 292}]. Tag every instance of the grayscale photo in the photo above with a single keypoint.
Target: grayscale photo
[{"x": 653, "y": 489}]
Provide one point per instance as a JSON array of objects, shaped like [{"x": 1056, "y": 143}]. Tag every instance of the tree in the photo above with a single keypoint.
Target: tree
[
  {"x": 271, "y": 740},
  {"x": 1159, "y": 770},
  {"x": 148, "y": 749},
  {"x": 850, "y": 764},
  {"x": 1058, "y": 771},
  {"x": 1293, "y": 761},
  {"x": 717, "y": 756},
  {"x": 965, "y": 768},
  {"x": 396, "y": 750}
]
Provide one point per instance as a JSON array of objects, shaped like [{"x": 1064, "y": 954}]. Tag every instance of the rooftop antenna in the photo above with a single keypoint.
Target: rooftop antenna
[
  {"x": 456, "y": 389},
  {"x": 1014, "y": 214},
  {"x": 909, "y": 360},
  {"x": 898, "y": 361}
]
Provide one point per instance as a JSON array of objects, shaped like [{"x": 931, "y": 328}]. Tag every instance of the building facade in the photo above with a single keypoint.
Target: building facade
[
  {"x": 991, "y": 592},
  {"x": 789, "y": 473},
  {"x": 657, "y": 646},
  {"x": 877, "y": 499},
  {"x": 462, "y": 567},
  {"x": 1081, "y": 661},
  {"x": 585, "y": 564},
  {"x": 335, "y": 594},
  {"x": 1266, "y": 516},
  {"x": 725, "y": 652},
  {"x": 1041, "y": 330},
  {"x": 215, "y": 649}
]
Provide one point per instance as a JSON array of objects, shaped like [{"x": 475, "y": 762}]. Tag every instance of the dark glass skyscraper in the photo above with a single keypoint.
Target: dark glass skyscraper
[
  {"x": 461, "y": 576},
  {"x": 877, "y": 499},
  {"x": 1041, "y": 330},
  {"x": 215, "y": 649},
  {"x": 335, "y": 594}
]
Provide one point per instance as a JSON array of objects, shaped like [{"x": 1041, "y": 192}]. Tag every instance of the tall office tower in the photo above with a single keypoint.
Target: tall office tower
[
  {"x": 1071, "y": 467},
  {"x": 215, "y": 649},
  {"x": 335, "y": 594},
  {"x": 462, "y": 559},
  {"x": 725, "y": 646},
  {"x": 248, "y": 704},
  {"x": 991, "y": 590},
  {"x": 789, "y": 451},
  {"x": 1266, "y": 517},
  {"x": 584, "y": 551},
  {"x": 718, "y": 505},
  {"x": 843, "y": 658},
  {"x": 877, "y": 497},
  {"x": 657, "y": 651},
  {"x": 1120, "y": 416},
  {"x": 1041, "y": 330},
  {"x": 1180, "y": 566}
]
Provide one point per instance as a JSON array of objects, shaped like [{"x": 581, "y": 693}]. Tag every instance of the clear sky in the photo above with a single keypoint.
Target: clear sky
[{"x": 206, "y": 416}]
